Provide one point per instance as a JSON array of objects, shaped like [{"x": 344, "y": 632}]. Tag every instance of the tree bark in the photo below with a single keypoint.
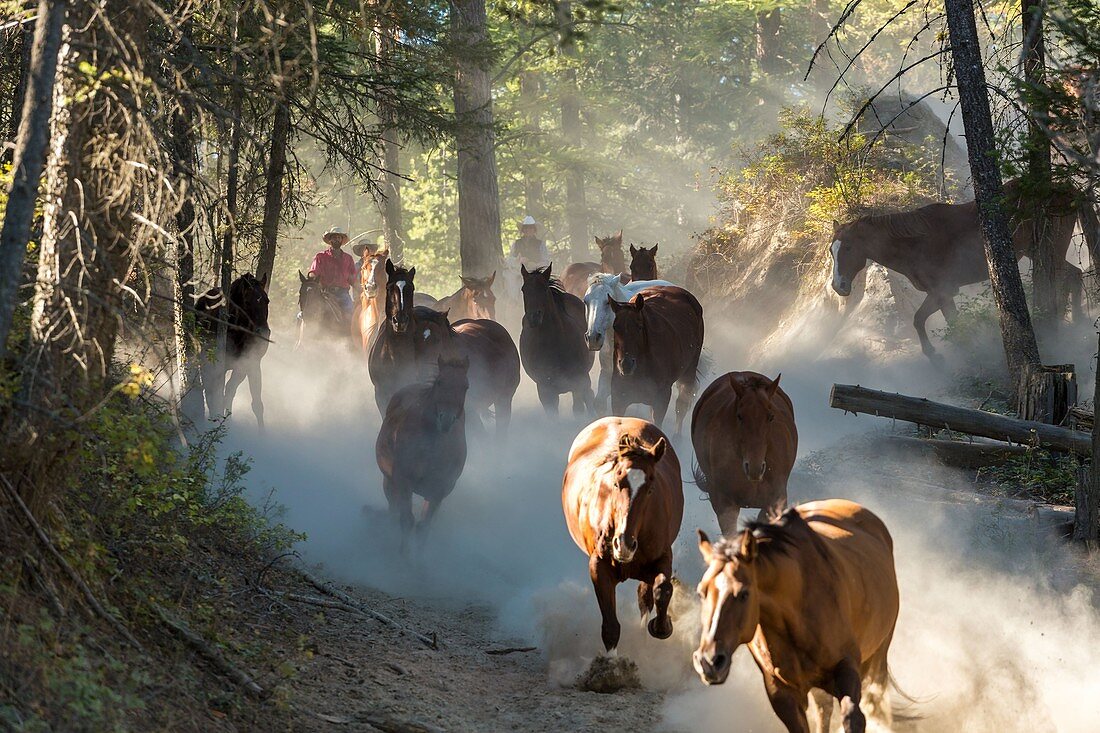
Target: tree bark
[
  {"x": 30, "y": 157},
  {"x": 475, "y": 138},
  {"x": 1044, "y": 268},
  {"x": 21, "y": 44},
  {"x": 576, "y": 205},
  {"x": 183, "y": 173},
  {"x": 273, "y": 190},
  {"x": 1004, "y": 273},
  {"x": 768, "y": 27},
  {"x": 393, "y": 233}
]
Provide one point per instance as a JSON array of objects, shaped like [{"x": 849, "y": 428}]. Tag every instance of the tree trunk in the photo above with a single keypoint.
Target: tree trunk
[
  {"x": 576, "y": 206},
  {"x": 1044, "y": 268},
  {"x": 30, "y": 157},
  {"x": 273, "y": 192},
  {"x": 183, "y": 174},
  {"x": 393, "y": 234},
  {"x": 21, "y": 44},
  {"x": 768, "y": 26},
  {"x": 1004, "y": 274},
  {"x": 1086, "y": 526},
  {"x": 475, "y": 138}
]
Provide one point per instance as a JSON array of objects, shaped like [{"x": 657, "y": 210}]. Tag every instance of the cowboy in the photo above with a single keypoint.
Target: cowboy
[
  {"x": 335, "y": 268},
  {"x": 362, "y": 250},
  {"x": 529, "y": 249}
]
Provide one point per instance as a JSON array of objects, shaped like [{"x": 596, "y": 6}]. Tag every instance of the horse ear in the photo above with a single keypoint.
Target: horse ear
[
  {"x": 492, "y": 279},
  {"x": 616, "y": 306},
  {"x": 390, "y": 267},
  {"x": 619, "y": 236},
  {"x": 624, "y": 278},
  {"x": 748, "y": 546},
  {"x": 737, "y": 390},
  {"x": 836, "y": 225},
  {"x": 774, "y": 385},
  {"x": 706, "y": 549},
  {"x": 599, "y": 242},
  {"x": 633, "y": 250},
  {"x": 263, "y": 281},
  {"x": 654, "y": 250},
  {"x": 412, "y": 273},
  {"x": 638, "y": 301},
  {"x": 301, "y": 277},
  {"x": 523, "y": 270},
  {"x": 658, "y": 449},
  {"x": 549, "y": 269},
  {"x": 468, "y": 281}
]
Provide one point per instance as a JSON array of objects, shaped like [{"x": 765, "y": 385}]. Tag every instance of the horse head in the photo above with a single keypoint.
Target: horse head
[
  {"x": 611, "y": 252},
  {"x": 643, "y": 263},
  {"x": 754, "y": 413},
  {"x": 849, "y": 254},
  {"x": 448, "y": 391},
  {"x": 630, "y": 333},
  {"x": 311, "y": 297},
  {"x": 478, "y": 292},
  {"x": 598, "y": 314},
  {"x": 399, "y": 296},
  {"x": 368, "y": 276},
  {"x": 632, "y": 481},
  {"x": 730, "y": 603},
  {"x": 538, "y": 297}
]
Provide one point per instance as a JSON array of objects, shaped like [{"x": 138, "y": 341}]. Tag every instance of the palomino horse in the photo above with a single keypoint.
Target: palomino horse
[
  {"x": 745, "y": 442},
  {"x": 939, "y": 248},
  {"x": 371, "y": 308},
  {"x": 575, "y": 278},
  {"x": 246, "y": 341},
  {"x": 551, "y": 343},
  {"x": 814, "y": 595},
  {"x": 421, "y": 448},
  {"x": 643, "y": 263},
  {"x": 598, "y": 314},
  {"x": 623, "y": 503},
  {"x": 658, "y": 343},
  {"x": 474, "y": 299}
]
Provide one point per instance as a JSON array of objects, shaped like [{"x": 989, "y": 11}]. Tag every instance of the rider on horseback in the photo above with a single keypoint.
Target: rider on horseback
[
  {"x": 335, "y": 270},
  {"x": 529, "y": 249}
]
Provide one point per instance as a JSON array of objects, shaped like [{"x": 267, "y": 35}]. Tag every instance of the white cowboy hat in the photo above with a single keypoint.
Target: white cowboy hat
[
  {"x": 529, "y": 222},
  {"x": 335, "y": 232},
  {"x": 360, "y": 247}
]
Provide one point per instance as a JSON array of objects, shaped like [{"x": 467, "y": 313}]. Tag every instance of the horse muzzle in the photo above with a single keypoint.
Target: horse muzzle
[
  {"x": 712, "y": 671},
  {"x": 445, "y": 420},
  {"x": 623, "y": 548},
  {"x": 627, "y": 365},
  {"x": 594, "y": 341},
  {"x": 755, "y": 473},
  {"x": 400, "y": 324},
  {"x": 842, "y": 287}
]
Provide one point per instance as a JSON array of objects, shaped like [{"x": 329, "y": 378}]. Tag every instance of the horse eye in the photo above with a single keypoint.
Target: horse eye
[
  {"x": 771, "y": 417},
  {"x": 739, "y": 418}
]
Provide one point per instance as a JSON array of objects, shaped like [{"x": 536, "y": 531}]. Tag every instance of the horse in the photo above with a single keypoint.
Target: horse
[
  {"x": 643, "y": 263},
  {"x": 575, "y": 278},
  {"x": 372, "y": 299},
  {"x": 598, "y": 316},
  {"x": 658, "y": 342},
  {"x": 421, "y": 446},
  {"x": 319, "y": 305},
  {"x": 745, "y": 441},
  {"x": 814, "y": 594},
  {"x": 623, "y": 501},
  {"x": 940, "y": 248},
  {"x": 551, "y": 342},
  {"x": 246, "y": 341},
  {"x": 475, "y": 299}
]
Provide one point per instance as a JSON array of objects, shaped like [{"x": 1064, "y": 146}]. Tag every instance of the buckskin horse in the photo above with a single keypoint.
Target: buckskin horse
[
  {"x": 575, "y": 278},
  {"x": 643, "y": 263},
  {"x": 598, "y": 316},
  {"x": 745, "y": 441},
  {"x": 658, "y": 342},
  {"x": 421, "y": 447},
  {"x": 814, "y": 595},
  {"x": 371, "y": 309},
  {"x": 623, "y": 502},
  {"x": 551, "y": 343},
  {"x": 939, "y": 248},
  {"x": 475, "y": 299}
]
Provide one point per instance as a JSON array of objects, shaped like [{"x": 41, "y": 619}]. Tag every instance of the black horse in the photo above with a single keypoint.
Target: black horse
[{"x": 321, "y": 308}]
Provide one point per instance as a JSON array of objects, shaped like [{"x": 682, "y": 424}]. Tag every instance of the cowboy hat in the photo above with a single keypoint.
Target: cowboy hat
[
  {"x": 360, "y": 247},
  {"x": 529, "y": 222},
  {"x": 335, "y": 232}
]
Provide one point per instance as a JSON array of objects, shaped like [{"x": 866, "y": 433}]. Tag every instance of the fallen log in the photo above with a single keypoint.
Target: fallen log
[
  {"x": 960, "y": 454},
  {"x": 852, "y": 398},
  {"x": 215, "y": 657}
]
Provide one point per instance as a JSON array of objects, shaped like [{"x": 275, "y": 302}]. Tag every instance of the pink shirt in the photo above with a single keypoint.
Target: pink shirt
[{"x": 334, "y": 270}]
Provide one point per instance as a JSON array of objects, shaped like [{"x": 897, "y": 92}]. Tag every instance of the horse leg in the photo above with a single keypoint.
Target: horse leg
[
  {"x": 877, "y": 694},
  {"x": 1072, "y": 279},
  {"x": 584, "y": 401},
  {"x": 549, "y": 399},
  {"x": 660, "y": 627},
  {"x": 727, "y": 512},
  {"x": 255, "y": 389},
  {"x": 237, "y": 373},
  {"x": 603, "y": 384},
  {"x": 931, "y": 304},
  {"x": 685, "y": 393},
  {"x": 821, "y": 702},
  {"x": 661, "y": 399},
  {"x": 603, "y": 581},
  {"x": 847, "y": 688},
  {"x": 789, "y": 706}
]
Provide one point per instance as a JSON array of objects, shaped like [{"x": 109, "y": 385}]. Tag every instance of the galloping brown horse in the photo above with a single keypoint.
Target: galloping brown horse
[
  {"x": 474, "y": 299},
  {"x": 575, "y": 278},
  {"x": 658, "y": 342},
  {"x": 939, "y": 248},
  {"x": 745, "y": 442},
  {"x": 421, "y": 447},
  {"x": 551, "y": 344},
  {"x": 623, "y": 503},
  {"x": 814, "y": 594},
  {"x": 371, "y": 308},
  {"x": 643, "y": 263}
]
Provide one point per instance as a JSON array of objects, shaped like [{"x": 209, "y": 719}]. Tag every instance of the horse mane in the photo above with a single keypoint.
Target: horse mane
[
  {"x": 915, "y": 224},
  {"x": 430, "y": 315},
  {"x": 779, "y": 534}
]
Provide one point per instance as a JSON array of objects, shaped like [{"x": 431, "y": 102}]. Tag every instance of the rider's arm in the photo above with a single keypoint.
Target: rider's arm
[{"x": 315, "y": 265}]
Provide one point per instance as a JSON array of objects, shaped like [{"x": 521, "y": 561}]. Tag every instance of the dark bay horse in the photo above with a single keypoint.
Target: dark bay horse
[
  {"x": 475, "y": 299},
  {"x": 551, "y": 344},
  {"x": 939, "y": 248},
  {"x": 575, "y": 278},
  {"x": 623, "y": 501},
  {"x": 421, "y": 447},
  {"x": 643, "y": 263},
  {"x": 371, "y": 308},
  {"x": 658, "y": 342},
  {"x": 814, "y": 595},
  {"x": 745, "y": 441},
  {"x": 321, "y": 310}
]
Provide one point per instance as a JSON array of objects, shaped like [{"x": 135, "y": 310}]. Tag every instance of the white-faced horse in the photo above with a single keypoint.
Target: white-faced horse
[{"x": 599, "y": 316}]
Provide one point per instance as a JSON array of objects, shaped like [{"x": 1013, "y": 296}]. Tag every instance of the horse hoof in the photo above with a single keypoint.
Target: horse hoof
[{"x": 658, "y": 630}]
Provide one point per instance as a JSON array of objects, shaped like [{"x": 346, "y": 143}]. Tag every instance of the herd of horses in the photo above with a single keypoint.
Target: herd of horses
[{"x": 811, "y": 590}]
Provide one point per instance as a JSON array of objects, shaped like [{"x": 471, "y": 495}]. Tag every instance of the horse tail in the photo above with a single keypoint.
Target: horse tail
[
  {"x": 904, "y": 712},
  {"x": 700, "y": 478}
]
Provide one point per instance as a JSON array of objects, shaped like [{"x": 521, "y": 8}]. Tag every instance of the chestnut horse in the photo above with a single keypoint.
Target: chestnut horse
[
  {"x": 658, "y": 343},
  {"x": 575, "y": 278},
  {"x": 371, "y": 308},
  {"x": 745, "y": 442},
  {"x": 939, "y": 247},
  {"x": 551, "y": 343},
  {"x": 623, "y": 503},
  {"x": 474, "y": 299},
  {"x": 421, "y": 447},
  {"x": 643, "y": 263},
  {"x": 814, "y": 595},
  {"x": 494, "y": 363}
]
